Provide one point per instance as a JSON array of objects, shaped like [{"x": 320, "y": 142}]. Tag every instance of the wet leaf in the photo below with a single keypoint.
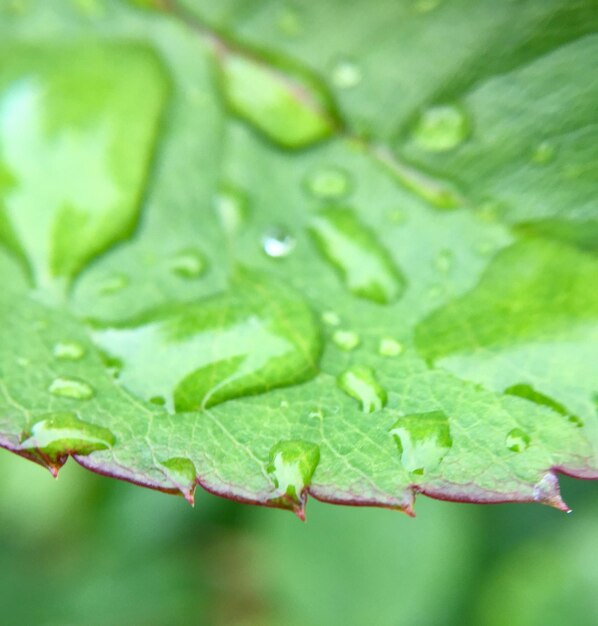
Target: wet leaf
[{"x": 337, "y": 255}]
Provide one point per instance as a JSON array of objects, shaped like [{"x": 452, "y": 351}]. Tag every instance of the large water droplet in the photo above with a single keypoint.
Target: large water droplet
[
  {"x": 68, "y": 351},
  {"x": 56, "y": 435},
  {"x": 181, "y": 472},
  {"x": 346, "y": 73},
  {"x": 423, "y": 440},
  {"x": 71, "y": 388},
  {"x": 277, "y": 242},
  {"x": 346, "y": 339},
  {"x": 188, "y": 263},
  {"x": 260, "y": 335},
  {"x": 364, "y": 265},
  {"x": 517, "y": 440},
  {"x": 441, "y": 128},
  {"x": 389, "y": 347},
  {"x": 291, "y": 466},
  {"x": 527, "y": 392},
  {"x": 360, "y": 383},
  {"x": 281, "y": 100},
  {"x": 50, "y": 125},
  {"x": 329, "y": 183}
]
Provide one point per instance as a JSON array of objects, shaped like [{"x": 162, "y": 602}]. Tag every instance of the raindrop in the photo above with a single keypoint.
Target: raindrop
[
  {"x": 360, "y": 383},
  {"x": 346, "y": 73},
  {"x": 231, "y": 207},
  {"x": 181, "y": 472},
  {"x": 328, "y": 183},
  {"x": 331, "y": 318},
  {"x": 188, "y": 264},
  {"x": 389, "y": 347},
  {"x": 68, "y": 351},
  {"x": 278, "y": 243},
  {"x": 517, "y": 440},
  {"x": 71, "y": 388},
  {"x": 346, "y": 339},
  {"x": 441, "y": 128},
  {"x": 113, "y": 284}
]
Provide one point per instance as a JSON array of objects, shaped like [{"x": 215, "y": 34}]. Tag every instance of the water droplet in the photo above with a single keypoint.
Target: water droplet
[
  {"x": 181, "y": 472},
  {"x": 62, "y": 222},
  {"x": 360, "y": 383},
  {"x": 364, "y": 265},
  {"x": 518, "y": 440},
  {"x": 316, "y": 414},
  {"x": 71, "y": 388},
  {"x": 188, "y": 264},
  {"x": 258, "y": 336},
  {"x": 287, "y": 104},
  {"x": 329, "y": 183},
  {"x": 277, "y": 243},
  {"x": 68, "y": 350},
  {"x": 423, "y": 440},
  {"x": 23, "y": 362},
  {"x": 291, "y": 467},
  {"x": 444, "y": 261},
  {"x": 59, "y": 434},
  {"x": 284, "y": 405},
  {"x": 158, "y": 400},
  {"x": 544, "y": 153},
  {"x": 346, "y": 339},
  {"x": 231, "y": 207},
  {"x": 527, "y": 392},
  {"x": 441, "y": 128},
  {"x": 331, "y": 318},
  {"x": 346, "y": 73},
  {"x": 389, "y": 347},
  {"x": 113, "y": 284}
]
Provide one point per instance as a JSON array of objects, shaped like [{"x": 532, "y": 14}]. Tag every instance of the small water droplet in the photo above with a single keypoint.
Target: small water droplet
[
  {"x": 278, "y": 243},
  {"x": 517, "y": 440},
  {"x": 389, "y": 347},
  {"x": 68, "y": 350},
  {"x": 544, "y": 153},
  {"x": 331, "y": 318},
  {"x": 231, "y": 207},
  {"x": 346, "y": 339},
  {"x": 113, "y": 284},
  {"x": 527, "y": 392},
  {"x": 423, "y": 440},
  {"x": 181, "y": 472},
  {"x": 360, "y": 383},
  {"x": 346, "y": 73},
  {"x": 441, "y": 128},
  {"x": 71, "y": 388},
  {"x": 188, "y": 264},
  {"x": 444, "y": 261},
  {"x": 56, "y": 435},
  {"x": 364, "y": 265},
  {"x": 329, "y": 183},
  {"x": 284, "y": 405},
  {"x": 158, "y": 400},
  {"x": 291, "y": 467},
  {"x": 316, "y": 414}
]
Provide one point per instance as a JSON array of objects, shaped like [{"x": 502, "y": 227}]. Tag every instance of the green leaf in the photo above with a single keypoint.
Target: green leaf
[{"x": 280, "y": 251}]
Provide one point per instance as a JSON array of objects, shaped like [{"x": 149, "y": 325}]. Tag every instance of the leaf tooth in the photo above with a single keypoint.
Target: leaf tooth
[{"x": 547, "y": 491}]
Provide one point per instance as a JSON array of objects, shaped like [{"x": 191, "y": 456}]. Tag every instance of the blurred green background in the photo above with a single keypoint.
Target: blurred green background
[{"x": 88, "y": 550}]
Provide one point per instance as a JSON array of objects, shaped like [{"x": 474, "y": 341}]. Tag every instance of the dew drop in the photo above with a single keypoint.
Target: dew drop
[
  {"x": 423, "y": 440},
  {"x": 68, "y": 351},
  {"x": 329, "y": 183},
  {"x": 231, "y": 208},
  {"x": 360, "y": 383},
  {"x": 331, "y": 318},
  {"x": 544, "y": 153},
  {"x": 181, "y": 472},
  {"x": 389, "y": 347},
  {"x": 346, "y": 339},
  {"x": 188, "y": 264},
  {"x": 346, "y": 73},
  {"x": 158, "y": 400},
  {"x": 71, "y": 388},
  {"x": 517, "y": 440},
  {"x": 364, "y": 265},
  {"x": 291, "y": 467},
  {"x": 278, "y": 243},
  {"x": 58, "y": 434},
  {"x": 441, "y": 128},
  {"x": 527, "y": 392},
  {"x": 113, "y": 284},
  {"x": 258, "y": 336}
]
